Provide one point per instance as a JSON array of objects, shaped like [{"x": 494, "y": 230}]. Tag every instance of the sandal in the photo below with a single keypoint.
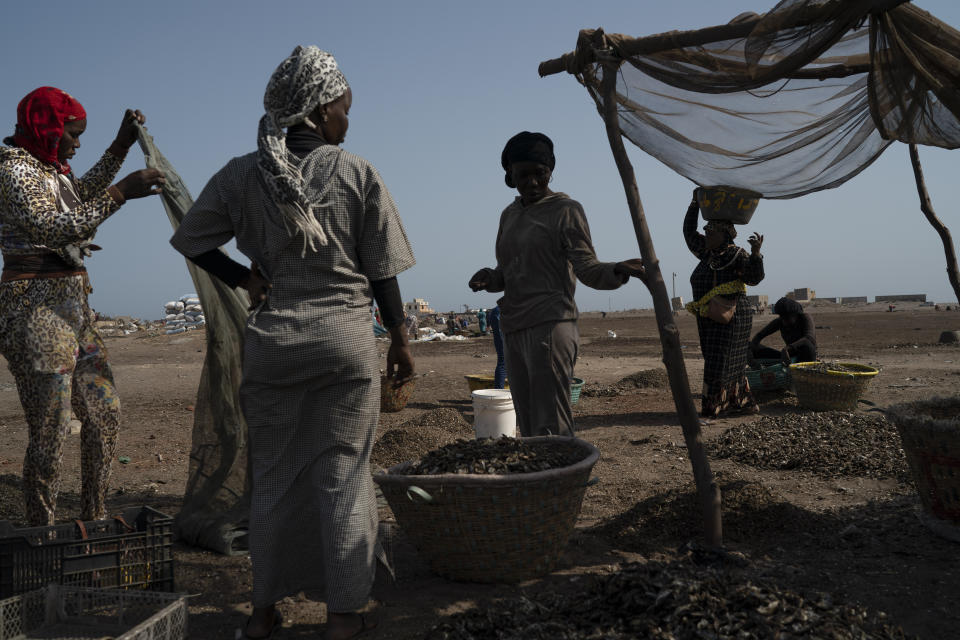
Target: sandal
[
  {"x": 365, "y": 626},
  {"x": 241, "y": 633}
]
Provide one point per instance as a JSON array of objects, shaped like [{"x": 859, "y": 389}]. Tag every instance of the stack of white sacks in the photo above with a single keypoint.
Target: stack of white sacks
[{"x": 183, "y": 314}]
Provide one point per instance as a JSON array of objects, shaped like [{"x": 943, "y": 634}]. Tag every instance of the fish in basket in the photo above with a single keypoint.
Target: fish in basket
[
  {"x": 837, "y": 386},
  {"x": 472, "y": 522}
]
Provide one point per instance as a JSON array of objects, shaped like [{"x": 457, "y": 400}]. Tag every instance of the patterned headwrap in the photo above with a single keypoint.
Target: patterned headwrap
[
  {"x": 40, "y": 119},
  {"x": 307, "y": 79}
]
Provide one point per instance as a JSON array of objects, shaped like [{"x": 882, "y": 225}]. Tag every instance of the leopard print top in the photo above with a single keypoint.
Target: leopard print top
[{"x": 31, "y": 220}]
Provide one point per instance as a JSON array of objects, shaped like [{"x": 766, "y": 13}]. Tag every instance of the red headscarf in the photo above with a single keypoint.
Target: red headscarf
[{"x": 40, "y": 119}]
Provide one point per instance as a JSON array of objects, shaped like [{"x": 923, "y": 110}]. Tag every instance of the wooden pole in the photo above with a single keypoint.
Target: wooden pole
[
  {"x": 669, "y": 334},
  {"x": 926, "y": 206},
  {"x": 698, "y": 37}
]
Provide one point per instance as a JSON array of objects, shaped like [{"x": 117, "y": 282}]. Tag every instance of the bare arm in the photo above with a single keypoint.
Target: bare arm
[{"x": 696, "y": 241}]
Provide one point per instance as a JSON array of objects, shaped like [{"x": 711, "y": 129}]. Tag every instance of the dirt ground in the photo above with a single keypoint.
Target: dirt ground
[{"x": 857, "y": 538}]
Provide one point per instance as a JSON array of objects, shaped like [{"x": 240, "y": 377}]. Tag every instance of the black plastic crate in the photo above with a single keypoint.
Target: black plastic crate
[{"x": 131, "y": 551}]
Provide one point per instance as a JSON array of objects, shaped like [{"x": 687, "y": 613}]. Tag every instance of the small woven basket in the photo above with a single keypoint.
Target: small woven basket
[
  {"x": 491, "y": 528},
  {"x": 394, "y": 399},
  {"x": 830, "y": 390},
  {"x": 771, "y": 375},
  {"x": 930, "y": 433}
]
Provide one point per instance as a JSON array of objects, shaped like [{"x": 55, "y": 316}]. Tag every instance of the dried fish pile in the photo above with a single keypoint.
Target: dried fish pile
[
  {"x": 497, "y": 456},
  {"x": 750, "y": 514},
  {"x": 830, "y": 444},
  {"x": 643, "y": 379},
  {"x": 669, "y": 601},
  {"x": 824, "y": 367},
  {"x": 413, "y": 438}
]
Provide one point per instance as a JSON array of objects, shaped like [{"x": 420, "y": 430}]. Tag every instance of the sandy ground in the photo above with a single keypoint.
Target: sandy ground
[{"x": 890, "y": 562}]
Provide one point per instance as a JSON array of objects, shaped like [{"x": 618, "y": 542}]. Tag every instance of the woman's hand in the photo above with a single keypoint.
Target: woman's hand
[
  {"x": 631, "y": 268},
  {"x": 142, "y": 183},
  {"x": 479, "y": 280},
  {"x": 127, "y": 134},
  {"x": 257, "y": 286},
  {"x": 755, "y": 241}
]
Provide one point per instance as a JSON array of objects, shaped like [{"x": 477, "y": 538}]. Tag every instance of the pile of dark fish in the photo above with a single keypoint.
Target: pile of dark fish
[
  {"x": 825, "y": 367},
  {"x": 643, "y": 379},
  {"x": 413, "y": 438},
  {"x": 830, "y": 444},
  {"x": 497, "y": 456},
  {"x": 669, "y": 601}
]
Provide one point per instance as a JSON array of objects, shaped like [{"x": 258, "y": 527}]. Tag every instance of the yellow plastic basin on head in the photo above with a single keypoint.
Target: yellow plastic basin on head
[{"x": 727, "y": 203}]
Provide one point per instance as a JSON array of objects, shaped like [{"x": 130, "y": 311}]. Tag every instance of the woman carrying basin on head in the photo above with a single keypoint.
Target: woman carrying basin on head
[{"x": 723, "y": 271}]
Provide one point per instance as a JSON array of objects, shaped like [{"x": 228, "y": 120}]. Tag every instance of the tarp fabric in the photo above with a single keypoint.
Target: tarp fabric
[{"x": 217, "y": 501}]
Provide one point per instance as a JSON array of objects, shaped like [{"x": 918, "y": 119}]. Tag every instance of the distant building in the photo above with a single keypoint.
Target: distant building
[
  {"x": 676, "y": 303},
  {"x": 803, "y": 294},
  {"x": 418, "y": 306},
  {"x": 909, "y": 297},
  {"x": 854, "y": 300}
]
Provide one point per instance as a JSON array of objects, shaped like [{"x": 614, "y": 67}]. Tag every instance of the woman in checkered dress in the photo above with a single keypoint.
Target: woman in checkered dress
[
  {"x": 725, "y": 347},
  {"x": 326, "y": 240}
]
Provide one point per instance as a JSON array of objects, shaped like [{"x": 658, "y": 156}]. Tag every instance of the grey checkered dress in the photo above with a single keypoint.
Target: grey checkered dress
[{"x": 311, "y": 382}]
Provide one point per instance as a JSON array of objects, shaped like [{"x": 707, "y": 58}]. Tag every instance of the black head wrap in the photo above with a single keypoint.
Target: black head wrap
[
  {"x": 787, "y": 307},
  {"x": 527, "y": 147}
]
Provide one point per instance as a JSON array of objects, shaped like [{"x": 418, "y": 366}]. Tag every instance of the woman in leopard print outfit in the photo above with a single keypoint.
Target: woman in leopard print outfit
[{"x": 48, "y": 218}]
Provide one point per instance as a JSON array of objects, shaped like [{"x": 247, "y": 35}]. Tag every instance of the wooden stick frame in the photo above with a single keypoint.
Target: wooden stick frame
[
  {"x": 707, "y": 488},
  {"x": 926, "y": 206},
  {"x": 574, "y": 61}
]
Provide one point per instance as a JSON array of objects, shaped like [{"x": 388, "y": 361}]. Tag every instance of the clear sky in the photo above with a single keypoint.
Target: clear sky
[{"x": 439, "y": 86}]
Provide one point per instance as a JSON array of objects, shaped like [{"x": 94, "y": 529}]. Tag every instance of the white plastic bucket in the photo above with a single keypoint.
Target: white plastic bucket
[{"x": 493, "y": 414}]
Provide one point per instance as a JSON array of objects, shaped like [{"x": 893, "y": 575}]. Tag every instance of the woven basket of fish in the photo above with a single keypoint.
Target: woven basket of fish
[
  {"x": 930, "y": 433},
  {"x": 492, "y": 510},
  {"x": 838, "y": 386}
]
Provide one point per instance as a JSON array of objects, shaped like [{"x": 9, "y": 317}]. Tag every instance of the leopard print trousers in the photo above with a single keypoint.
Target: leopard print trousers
[{"x": 59, "y": 362}]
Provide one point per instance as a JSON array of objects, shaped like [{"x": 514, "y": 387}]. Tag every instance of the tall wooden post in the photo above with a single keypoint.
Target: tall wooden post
[
  {"x": 669, "y": 335},
  {"x": 926, "y": 206}
]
